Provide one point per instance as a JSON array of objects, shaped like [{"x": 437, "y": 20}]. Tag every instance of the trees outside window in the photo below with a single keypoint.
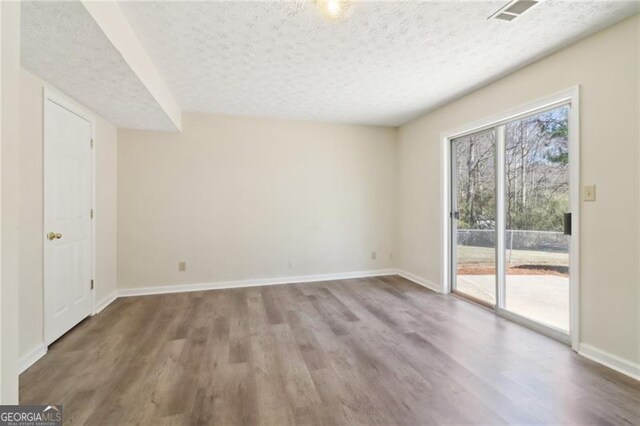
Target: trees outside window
[{"x": 537, "y": 171}]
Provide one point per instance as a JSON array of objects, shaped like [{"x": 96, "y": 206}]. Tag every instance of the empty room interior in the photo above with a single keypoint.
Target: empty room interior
[{"x": 320, "y": 212}]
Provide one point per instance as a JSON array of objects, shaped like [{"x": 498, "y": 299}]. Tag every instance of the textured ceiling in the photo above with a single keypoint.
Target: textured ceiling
[
  {"x": 62, "y": 44},
  {"x": 386, "y": 64}
]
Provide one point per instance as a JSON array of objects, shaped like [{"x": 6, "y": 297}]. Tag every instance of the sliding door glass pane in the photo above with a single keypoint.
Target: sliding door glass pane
[
  {"x": 537, "y": 196},
  {"x": 475, "y": 205}
]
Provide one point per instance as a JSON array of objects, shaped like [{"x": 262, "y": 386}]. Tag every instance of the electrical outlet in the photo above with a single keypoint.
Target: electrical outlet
[
  {"x": 292, "y": 264},
  {"x": 589, "y": 193},
  {"x": 182, "y": 266},
  {"x": 373, "y": 255}
]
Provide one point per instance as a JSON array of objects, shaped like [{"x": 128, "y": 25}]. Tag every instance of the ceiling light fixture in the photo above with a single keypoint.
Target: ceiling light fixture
[{"x": 334, "y": 10}]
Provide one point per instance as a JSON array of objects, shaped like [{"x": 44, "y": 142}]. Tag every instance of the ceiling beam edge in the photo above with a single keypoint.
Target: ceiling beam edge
[{"x": 115, "y": 26}]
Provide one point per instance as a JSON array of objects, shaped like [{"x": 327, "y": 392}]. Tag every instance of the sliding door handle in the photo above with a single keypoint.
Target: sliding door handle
[{"x": 567, "y": 224}]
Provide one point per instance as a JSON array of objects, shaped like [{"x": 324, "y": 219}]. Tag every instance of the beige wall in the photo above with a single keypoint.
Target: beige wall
[
  {"x": 31, "y": 212},
  {"x": 9, "y": 152},
  {"x": 606, "y": 66},
  {"x": 238, "y": 198}
]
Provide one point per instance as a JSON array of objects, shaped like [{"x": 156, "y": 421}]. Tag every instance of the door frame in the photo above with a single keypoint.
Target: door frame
[
  {"x": 570, "y": 96},
  {"x": 50, "y": 95}
]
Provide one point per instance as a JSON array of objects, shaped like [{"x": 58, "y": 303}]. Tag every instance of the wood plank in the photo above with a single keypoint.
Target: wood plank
[{"x": 371, "y": 351}]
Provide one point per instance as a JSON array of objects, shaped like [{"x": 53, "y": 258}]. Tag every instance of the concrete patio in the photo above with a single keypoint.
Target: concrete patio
[{"x": 543, "y": 298}]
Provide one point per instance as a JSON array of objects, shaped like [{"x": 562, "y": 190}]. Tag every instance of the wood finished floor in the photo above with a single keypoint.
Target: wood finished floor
[{"x": 358, "y": 352}]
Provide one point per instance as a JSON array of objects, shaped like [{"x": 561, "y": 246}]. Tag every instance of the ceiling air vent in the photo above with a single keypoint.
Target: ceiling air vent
[
  {"x": 513, "y": 9},
  {"x": 506, "y": 16}
]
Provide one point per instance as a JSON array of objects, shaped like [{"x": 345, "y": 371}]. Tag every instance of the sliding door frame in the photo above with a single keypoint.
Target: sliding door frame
[{"x": 570, "y": 96}]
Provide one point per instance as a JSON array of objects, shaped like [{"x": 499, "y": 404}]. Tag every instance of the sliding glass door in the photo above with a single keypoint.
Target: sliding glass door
[
  {"x": 537, "y": 199},
  {"x": 474, "y": 213},
  {"x": 510, "y": 218}
]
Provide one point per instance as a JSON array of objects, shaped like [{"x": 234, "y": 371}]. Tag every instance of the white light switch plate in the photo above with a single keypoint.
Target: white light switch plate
[{"x": 589, "y": 193}]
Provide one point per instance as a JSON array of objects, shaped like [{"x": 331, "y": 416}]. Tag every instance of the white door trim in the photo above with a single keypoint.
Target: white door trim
[
  {"x": 49, "y": 95},
  {"x": 568, "y": 96}
]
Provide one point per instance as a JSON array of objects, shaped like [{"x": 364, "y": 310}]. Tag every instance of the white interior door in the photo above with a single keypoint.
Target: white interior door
[{"x": 68, "y": 247}]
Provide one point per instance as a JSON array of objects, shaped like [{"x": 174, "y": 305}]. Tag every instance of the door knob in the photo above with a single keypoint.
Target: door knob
[{"x": 54, "y": 236}]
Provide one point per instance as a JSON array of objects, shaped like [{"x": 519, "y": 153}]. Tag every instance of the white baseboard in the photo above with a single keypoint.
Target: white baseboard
[
  {"x": 419, "y": 280},
  {"x": 181, "y": 288},
  {"x": 106, "y": 301},
  {"x": 29, "y": 359},
  {"x": 621, "y": 365}
]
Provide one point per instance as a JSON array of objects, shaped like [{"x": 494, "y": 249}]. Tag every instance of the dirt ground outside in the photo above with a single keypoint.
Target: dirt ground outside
[{"x": 481, "y": 261}]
